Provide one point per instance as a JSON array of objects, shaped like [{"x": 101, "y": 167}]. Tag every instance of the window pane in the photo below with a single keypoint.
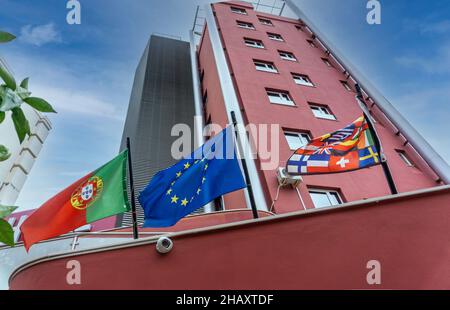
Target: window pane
[
  {"x": 334, "y": 199},
  {"x": 320, "y": 199},
  {"x": 293, "y": 141}
]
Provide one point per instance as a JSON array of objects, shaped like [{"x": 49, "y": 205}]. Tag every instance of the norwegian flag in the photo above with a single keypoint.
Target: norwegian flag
[{"x": 347, "y": 149}]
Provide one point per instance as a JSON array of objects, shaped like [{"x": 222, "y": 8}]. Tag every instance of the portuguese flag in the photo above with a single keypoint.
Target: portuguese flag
[{"x": 100, "y": 194}]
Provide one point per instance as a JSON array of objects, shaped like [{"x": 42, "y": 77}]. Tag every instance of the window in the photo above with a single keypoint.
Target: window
[
  {"x": 322, "y": 112},
  {"x": 245, "y": 25},
  {"x": 205, "y": 97},
  {"x": 311, "y": 43},
  {"x": 287, "y": 56},
  {"x": 254, "y": 43},
  {"x": 280, "y": 97},
  {"x": 300, "y": 28},
  {"x": 327, "y": 62},
  {"x": 266, "y": 22},
  {"x": 301, "y": 79},
  {"x": 238, "y": 10},
  {"x": 325, "y": 198},
  {"x": 276, "y": 37},
  {"x": 297, "y": 140},
  {"x": 265, "y": 66},
  {"x": 346, "y": 86},
  {"x": 405, "y": 158}
]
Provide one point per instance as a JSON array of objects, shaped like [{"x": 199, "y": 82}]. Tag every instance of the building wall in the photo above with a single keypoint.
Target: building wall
[
  {"x": 162, "y": 97},
  {"x": 214, "y": 106},
  {"x": 251, "y": 87},
  {"x": 14, "y": 171},
  {"x": 319, "y": 249}
]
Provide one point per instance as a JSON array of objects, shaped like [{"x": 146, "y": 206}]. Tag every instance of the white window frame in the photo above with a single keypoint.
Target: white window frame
[
  {"x": 329, "y": 194},
  {"x": 280, "y": 97},
  {"x": 287, "y": 56},
  {"x": 322, "y": 112},
  {"x": 238, "y": 10},
  {"x": 275, "y": 37},
  {"x": 245, "y": 25},
  {"x": 405, "y": 158},
  {"x": 302, "y": 79},
  {"x": 303, "y": 137},
  {"x": 346, "y": 86},
  {"x": 254, "y": 43},
  {"x": 265, "y": 21},
  {"x": 265, "y": 66},
  {"x": 311, "y": 43},
  {"x": 327, "y": 62}
]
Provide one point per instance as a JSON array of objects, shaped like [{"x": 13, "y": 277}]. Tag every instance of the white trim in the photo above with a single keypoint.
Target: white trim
[
  {"x": 265, "y": 66},
  {"x": 254, "y": 43},
  {"x": 325, "y": 112},
  {"x": 245, "y": 25},
  {"x": 232, "y": 104}
]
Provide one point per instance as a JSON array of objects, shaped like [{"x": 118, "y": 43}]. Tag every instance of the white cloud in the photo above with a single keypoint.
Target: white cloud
[
  {"x": 40, "y": 35},
  {"x": 432, "y": 123},
  {"x": 78, "y": 102},
  {"x": 434, "y": 64},
  {"x": 441, "y": 27}
]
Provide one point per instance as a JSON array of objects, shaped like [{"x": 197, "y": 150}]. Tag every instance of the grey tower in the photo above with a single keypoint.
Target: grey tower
[{"x": 162, "y": 96}]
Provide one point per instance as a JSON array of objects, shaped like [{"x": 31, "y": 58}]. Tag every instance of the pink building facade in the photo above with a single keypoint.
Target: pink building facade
[{"x": 270, "y": 56}]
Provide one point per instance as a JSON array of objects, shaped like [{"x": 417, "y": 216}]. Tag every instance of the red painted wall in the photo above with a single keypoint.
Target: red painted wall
[
  {"x": 328, "y": 249},
  {"x": 251, "y": 89}
]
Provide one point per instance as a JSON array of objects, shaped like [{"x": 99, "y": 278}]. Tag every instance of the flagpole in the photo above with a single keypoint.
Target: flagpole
[
  {"x": 384, "y": 163},
  {"x": 133, "y": 196},
  {"x": 244, "y": 167}
]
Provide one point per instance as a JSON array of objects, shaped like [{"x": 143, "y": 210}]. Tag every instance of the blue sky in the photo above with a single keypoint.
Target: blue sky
[{"x": 86, "y": 71}]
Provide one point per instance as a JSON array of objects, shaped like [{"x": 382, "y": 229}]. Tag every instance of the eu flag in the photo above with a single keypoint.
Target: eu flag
[{"x": 210, "y": 172}]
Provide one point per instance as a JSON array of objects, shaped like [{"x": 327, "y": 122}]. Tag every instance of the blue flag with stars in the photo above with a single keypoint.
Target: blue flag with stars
[{"x": 210, "y": 172}]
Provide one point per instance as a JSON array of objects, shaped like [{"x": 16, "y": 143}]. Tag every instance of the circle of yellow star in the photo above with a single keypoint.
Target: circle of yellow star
[
  {"x": 198, "y": 191},
  {"x": 184, "y": 202},
  {"x": 187, "y": 165},
  {"x": 169, "y": 192},
  {"x": 175, "y": 199},
  {"x": 179, "y": 174}
]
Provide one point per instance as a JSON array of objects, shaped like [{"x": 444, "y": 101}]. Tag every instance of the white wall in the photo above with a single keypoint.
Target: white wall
[{"x": 14, "y": 171}]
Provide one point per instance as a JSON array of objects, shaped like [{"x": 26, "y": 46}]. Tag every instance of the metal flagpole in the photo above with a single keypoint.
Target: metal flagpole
[
  {"x": 244, "y": 167},
  {"x": 384, "y": 163},
  {"x": 133, "y": 196}
]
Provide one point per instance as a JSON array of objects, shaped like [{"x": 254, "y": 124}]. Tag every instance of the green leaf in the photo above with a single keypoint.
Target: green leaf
[
  {"x": 2, "y": 114},
  {"x": 24, "y": 83},
  {"x": 7, "y": 77},
  {"x": 6, "y": 210},
  {"x": 4, "y": 153},
  {"x": 6, "y": 37},
  {"x": 40, "y": 104},
  {"x": 20, "y": 123},
  {"x": 6, "y": 233}
]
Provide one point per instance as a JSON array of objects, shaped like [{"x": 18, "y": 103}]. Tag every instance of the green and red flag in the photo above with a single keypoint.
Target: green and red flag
[{"x": 100, "y": 194}]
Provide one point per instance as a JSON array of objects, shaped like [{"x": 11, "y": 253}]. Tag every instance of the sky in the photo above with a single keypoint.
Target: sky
[{"x": 86, "y": 71}]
